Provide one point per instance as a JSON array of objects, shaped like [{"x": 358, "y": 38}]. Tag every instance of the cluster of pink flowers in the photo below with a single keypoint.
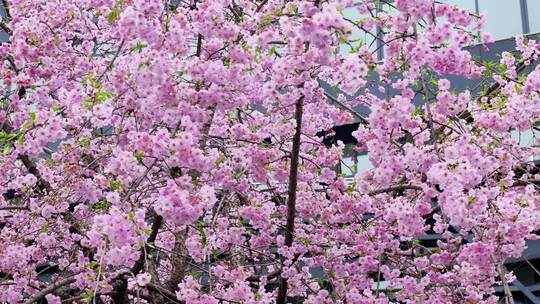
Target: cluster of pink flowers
[{"x": 187, "y": 164}]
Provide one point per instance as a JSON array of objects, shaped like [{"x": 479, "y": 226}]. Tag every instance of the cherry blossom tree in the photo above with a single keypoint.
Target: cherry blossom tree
[{"x": 169, "y": 152}]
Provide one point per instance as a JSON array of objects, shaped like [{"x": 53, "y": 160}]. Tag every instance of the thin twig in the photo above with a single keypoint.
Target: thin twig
[{"x": 394, "y": 188}]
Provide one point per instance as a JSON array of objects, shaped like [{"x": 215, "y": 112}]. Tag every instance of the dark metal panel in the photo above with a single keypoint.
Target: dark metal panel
[
  {"x": 532, "y": 252},
  {"x": 526, "y": 292},
  {"x": 4, "y": 37}
]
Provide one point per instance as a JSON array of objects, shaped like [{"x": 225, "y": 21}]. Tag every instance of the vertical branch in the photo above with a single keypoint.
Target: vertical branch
[
  {"x": 431, "y": 126},
  {"x": 120, "y": 296},
  {"x": 508, "y": 298},
  {"x": 199, "y": 45},
  {"x": 179, "y": 261},
  {"x": 179, "y": 256},
  {"x": 291, "y": 193}
]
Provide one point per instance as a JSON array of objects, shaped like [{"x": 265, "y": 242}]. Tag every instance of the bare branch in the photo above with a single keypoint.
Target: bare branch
[
  {"x": 164, "y": 292},
  {"x": 50, "y": 289},
  {"x": 14, "y": 208},
  {"x": 394, "y": 188},
  {"x": 291, "y": 193},
  {"x": 362, "y": 119}
]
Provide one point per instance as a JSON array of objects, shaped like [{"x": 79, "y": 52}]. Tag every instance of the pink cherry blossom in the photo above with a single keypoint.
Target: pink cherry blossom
[{"x": 190, "y": 152}]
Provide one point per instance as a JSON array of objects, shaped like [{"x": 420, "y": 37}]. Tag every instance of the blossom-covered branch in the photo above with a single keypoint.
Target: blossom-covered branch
[{"x": 185, "y": 151}]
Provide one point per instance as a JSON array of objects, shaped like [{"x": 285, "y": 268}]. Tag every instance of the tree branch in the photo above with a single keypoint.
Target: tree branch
[
  {"x": 467, "y": 116},
  {"x": 520, "y": 183},
  {"x": 291, "y": 193},
  {"x": 121, "y": 295},
  {"x": 508, "y": 298},
  {"x": 50, "y": 289},
  {"x": 164, "y": 292},
  {"x": 14, "y": 208},
  {"x": 261, "y": 5},
  {"x": 362, "y": 119},
  {"x": 179, "y": 260},
  {"x": 394, "y": 188}
]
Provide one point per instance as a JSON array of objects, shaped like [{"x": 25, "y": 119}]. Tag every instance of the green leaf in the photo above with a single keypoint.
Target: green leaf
[
  {"x": 200, "y": 228},
  {"x": 254, "y": 128},
  {"x": 21, "y": 139},
  {"x": 92, "y": 265},
  {"x": 418, "y": 111},
  {"x": 87, "y": 296},
  {"x": 101, "y": 205},
  {"x": 267, "y": 20},
  {"x": 84, "y": 142},
  {"x": 88, "y": 78},
  {"x": 138, "y": 47},
  {"x": 273, "y": 51},
  {"x": 7, "y": 137},
  {"x": 239, "y": 172},
  {"x": 293, "y": 9},
  {"x": 113, "y": 15},
  {"x": 26, "y": 125},
  {"x": 139, "y": 155},
  {"x": 351, "y": 187},
  {"x": 87, "y": 103},
  {"x": 115, "y": 185},
  {"x": 319, "y": 281},
  {"x": 7, "y": 149},
  {"x": 102, "y": 96},
  {"x": 33, "y": 116},
  {"x": 220, "y": 159},
  {"x": 44, "y": 229},
  {"x": 56, "y": 108}
]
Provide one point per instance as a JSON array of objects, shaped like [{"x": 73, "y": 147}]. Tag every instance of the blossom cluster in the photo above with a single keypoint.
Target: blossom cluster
[{"x": 171, "y": 151}]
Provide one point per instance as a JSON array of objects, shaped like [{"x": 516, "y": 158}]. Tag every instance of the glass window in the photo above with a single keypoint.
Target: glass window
[
  {"x": 503, "y": 17},
  {"x": 363, "y": 164},
  {"x": 348, "y": 162},
  {"x": 348, "y": 167},
  {"x": 533, "y": 7},
  {"x": 528, "y": 138},
  {"x": 354, "y": 163}
]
